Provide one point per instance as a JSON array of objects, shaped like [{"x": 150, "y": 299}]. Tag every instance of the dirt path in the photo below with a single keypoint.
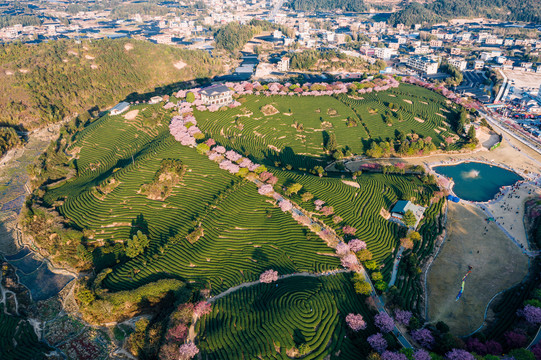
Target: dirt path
[{"x": 471, "y": 242}]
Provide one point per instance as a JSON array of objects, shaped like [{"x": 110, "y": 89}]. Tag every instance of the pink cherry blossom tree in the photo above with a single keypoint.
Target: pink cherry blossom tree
[
  {"x": 356, "y": 245},
  {"x": 187, "y": 351},
  {"x": 268, "y": 276},
  {"x": 202, "y": 308},
  {"x": 355, "y": 322}
]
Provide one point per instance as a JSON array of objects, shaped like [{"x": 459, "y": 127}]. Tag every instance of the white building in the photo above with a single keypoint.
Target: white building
[
  {"x": 383, "y": 53},
  {"x": 283, "y": 64},
  {"x": 216, "y": 95},
  {"x": 120, "y": 108},
  {"x": 459, "y": 63},
  {"x": 424, "y": 64}
]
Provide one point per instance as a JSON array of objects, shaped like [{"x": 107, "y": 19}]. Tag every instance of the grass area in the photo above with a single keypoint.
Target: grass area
[{"x": 270, "y": 321}]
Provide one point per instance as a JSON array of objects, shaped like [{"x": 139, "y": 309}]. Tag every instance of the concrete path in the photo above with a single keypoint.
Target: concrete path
[{"x": 395, "y": 265}]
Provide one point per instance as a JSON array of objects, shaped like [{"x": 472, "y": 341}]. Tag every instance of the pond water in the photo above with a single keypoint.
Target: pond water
[{"x": 477, "y": 181}]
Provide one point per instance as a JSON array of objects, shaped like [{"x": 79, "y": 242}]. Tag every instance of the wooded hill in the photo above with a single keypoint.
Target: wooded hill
[
  {"x": 512, "y": 10},
  {"x": 44, "y": 83}
]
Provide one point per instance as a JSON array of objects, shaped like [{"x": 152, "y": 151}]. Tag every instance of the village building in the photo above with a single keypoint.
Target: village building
[
  {"x": 120, "y": 108},
  {"x": 402, "y": 206},
  {"x": 216, "y": 95}
]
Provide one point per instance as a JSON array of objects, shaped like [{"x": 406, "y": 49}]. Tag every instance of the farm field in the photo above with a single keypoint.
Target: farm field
[{"x": 269, "y": 321}]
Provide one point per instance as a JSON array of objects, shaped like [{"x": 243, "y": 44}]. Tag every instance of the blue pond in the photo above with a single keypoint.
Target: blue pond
[{"x": 477, "y": 181}]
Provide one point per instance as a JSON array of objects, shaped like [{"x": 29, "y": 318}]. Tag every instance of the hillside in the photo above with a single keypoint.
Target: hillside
[
  {"x": 45, "y": 83},
  {"x": 344, "y": 5},
  {"x": 516, "y": 10}
]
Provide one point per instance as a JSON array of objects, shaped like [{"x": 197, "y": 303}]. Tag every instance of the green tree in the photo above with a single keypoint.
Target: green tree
[
  {"x": 190, "y": 97},
  {"x": 363, "y": 288},
  {"x": 409, "y": 218},
  {"x": 331, "y": 143},
  {"x": 294, "y": 188},
  {"x": 472, "y": 136}
]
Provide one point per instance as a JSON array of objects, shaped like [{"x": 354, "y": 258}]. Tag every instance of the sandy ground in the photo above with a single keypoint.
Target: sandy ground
[
  {"x": 130, "y": 115},
  {"x": 524, "y": 81},
  {"x": 508, "y": 210},
  {"x": 471, "y": 242}
]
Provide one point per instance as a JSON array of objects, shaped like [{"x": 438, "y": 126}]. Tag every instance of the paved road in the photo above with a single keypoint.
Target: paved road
[{"x": 395, "y": 266}]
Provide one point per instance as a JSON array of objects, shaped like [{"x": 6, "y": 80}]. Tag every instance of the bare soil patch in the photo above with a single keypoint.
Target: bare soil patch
[
  {"x": 269, "y": 110},
  {"x": 497, "y": 265},
  {"x": 130, "y": 115},
  {"x": 419, "y": 120},
  {"x": 352, "y": 183},
  {"x": 179, "y": 64},
  {"x": 408, "y": 101},
  {"x": 128, "y": 47}
]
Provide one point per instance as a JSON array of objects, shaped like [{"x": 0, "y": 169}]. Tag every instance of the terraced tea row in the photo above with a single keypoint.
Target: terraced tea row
[{"x": 272, "y": 321}]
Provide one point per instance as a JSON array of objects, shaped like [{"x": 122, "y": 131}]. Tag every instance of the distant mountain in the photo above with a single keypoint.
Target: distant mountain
[
  {"x": 345, "y": 5},
  {"x": 44, "y": 83},
  {"x": 513, "y": 10}
]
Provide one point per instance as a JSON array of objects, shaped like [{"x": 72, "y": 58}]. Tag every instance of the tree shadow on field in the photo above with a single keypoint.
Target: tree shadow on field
[
  {"x": 139, "y": 224},
  {"x": 298, "y": 337},
  {"x": 288, "y": 157},
  {"x": 259, "y": 255}
]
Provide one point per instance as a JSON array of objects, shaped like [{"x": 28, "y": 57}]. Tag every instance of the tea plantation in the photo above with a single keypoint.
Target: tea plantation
[
  {"x": 295, "y": 129},
  {"x": 270, "y": 321},
  {"x": 242, "y": 233}
]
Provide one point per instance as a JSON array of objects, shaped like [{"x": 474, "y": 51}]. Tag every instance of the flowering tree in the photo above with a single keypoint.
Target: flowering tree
[
  {"x": 187, "y": 351},
  {"x": 268, "y": 276},
  {"x": 384, "y": 322},
  {"x": 336, "y": 219},
  {"x": 531, "y": 313},
  {"x": 349, "y": 261},
  {"x": 421, "y": 354},
  {"x": 233, "y": 156},
  {"x": 493, "y": 347},
  {"x": 219, "y": 149},
  {"x": 378, "y": 342},
  {"x": 459, "y": 354},
  {"x": 406, "y": 243},
  {"x": 424, "y": 337},
  {"x": 319, "y": 203},
  {"x": 265, "y": 175},
  {"x": 272, "y": 180},
  {"x": 536, "y": 350},
  {"x": 327, "y": 210},
  {"x": 202, "y": 308},
  {"x": 177, "y": 333},
  {"x": 402, "y": 316},
  {"x": 389, "y": 355},
  {"x": 515, "y": 339},
  {"x": 210, "y": 142},
  {"x": 265, "y": 189},
  {"x": 349, "y": 230},
  {"x": 356, "y": 245},
  {"x": 342, "y": 248},
  {"x": 355, "y": 322},
  {"x": 285, "y": 205}
]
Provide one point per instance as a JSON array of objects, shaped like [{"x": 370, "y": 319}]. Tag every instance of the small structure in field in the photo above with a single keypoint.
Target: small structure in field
[
  {"x": 216, "y": 95},
  {"x": 155, "y": 99},
  {"x": 120, "y": 108},
  {"x": 403, "y": 206}
]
